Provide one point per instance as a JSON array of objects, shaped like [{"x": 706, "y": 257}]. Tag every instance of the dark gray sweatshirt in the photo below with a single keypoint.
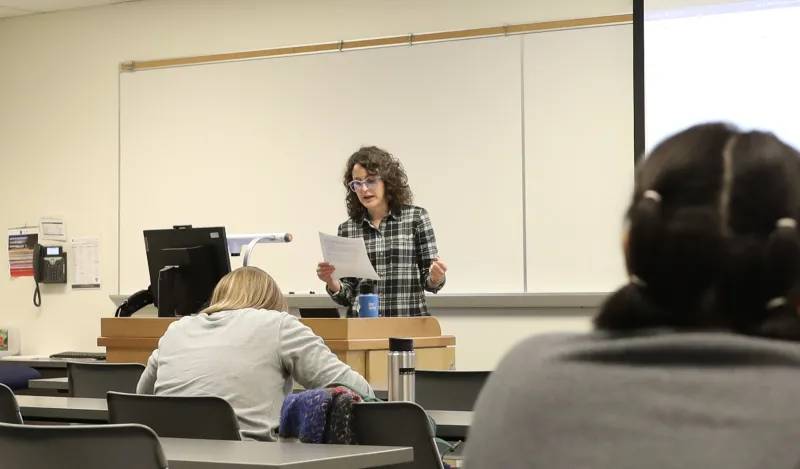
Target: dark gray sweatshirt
[
  {"x": 660, "y": 401},
  {"x": 248, "y": 357}
]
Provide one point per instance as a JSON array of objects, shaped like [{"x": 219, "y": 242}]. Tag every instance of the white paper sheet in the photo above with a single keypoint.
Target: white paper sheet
[
  {"x": 84, "y": 261},
  {"x": 348, "y": 255},
  {"x": 53, "y": 229}
]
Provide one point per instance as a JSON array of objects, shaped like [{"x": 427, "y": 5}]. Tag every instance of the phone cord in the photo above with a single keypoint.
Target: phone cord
[{"x": 37, "y": 296}]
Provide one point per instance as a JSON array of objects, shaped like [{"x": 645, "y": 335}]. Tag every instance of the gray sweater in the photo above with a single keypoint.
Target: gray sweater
[
  {"x": 660, "y": 401},
  {"x": 248, "y": 357}
]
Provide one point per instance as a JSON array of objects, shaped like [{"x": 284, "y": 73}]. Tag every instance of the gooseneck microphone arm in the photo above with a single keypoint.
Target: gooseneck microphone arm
[{"x": 268, "y": 238}]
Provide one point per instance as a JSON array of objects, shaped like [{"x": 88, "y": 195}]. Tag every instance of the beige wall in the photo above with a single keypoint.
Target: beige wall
[
  {"x": 481, "y": 341},
  {"x": 59, "y": 121}
]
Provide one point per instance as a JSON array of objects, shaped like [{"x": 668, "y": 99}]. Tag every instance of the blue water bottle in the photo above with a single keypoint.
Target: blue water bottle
[{"x": 367, "y": 301}]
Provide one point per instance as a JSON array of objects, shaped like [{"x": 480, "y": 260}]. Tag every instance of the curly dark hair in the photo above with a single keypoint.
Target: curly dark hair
[{"x": 381, "y": 163}]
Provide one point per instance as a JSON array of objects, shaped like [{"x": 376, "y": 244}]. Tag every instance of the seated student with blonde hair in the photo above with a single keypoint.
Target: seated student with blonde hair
[{"x": 246, "y": 349}]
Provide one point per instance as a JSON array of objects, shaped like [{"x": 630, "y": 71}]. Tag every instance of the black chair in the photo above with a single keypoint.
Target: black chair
[
  {"x": 197, "y": 417},
  {"x": 398, "y": 424},
  {"x": 9, "y": 408},
  {"x": 448, "y": 390},
  {"x": 94, "y": 380},
  {"x": 80, "y": 446}
]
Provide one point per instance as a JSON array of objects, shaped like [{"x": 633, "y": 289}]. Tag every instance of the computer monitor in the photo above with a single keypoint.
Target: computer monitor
[{"x": 185, "y": 265}]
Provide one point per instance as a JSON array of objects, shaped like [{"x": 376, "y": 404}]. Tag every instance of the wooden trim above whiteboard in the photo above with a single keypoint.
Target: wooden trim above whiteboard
[{"x": 133, "y": 66}]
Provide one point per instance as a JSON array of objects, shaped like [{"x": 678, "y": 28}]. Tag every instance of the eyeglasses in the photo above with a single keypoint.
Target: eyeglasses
[{"x": 370, "y": 183}]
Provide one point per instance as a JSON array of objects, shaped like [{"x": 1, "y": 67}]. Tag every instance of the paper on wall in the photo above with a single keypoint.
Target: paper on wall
[
  {"x": 53, "y": 229},
  {"x": 348, "y": 255},
  {"x": 84, "y": 261},
  {"x": 20, "y": 250}
]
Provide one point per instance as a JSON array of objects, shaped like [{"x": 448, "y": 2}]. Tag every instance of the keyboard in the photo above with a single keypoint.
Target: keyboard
[{"x": 79, "y": 356}]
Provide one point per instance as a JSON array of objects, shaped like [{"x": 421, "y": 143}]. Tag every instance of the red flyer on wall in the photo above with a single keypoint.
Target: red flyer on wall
[{"x": 20, "y": 250}]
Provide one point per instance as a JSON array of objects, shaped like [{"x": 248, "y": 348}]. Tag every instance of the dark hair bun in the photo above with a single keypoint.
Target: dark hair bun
[{"x": 708, "y": 247}]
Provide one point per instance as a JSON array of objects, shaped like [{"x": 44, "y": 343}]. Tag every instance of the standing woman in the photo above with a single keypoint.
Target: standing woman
[{"x": 399, "y": 237}]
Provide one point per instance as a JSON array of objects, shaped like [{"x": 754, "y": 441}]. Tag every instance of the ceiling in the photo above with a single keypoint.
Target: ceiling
[{"x": 10, "y": 8}]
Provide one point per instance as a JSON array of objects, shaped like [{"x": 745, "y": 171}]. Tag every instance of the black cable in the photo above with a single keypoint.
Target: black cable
[
  {"x": 134, "y": 303},
  {"x": 37, "y": 296},
  {"x": 451, "y": 448}
]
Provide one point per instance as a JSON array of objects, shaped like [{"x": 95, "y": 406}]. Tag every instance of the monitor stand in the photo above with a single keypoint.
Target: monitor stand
[
  {"x": 167, "y": 300},
  {"x": 179, "y": 282}
]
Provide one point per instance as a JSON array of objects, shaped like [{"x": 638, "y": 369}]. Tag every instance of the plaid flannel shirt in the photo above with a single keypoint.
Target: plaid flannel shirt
[{"x": 402, "y": 250}]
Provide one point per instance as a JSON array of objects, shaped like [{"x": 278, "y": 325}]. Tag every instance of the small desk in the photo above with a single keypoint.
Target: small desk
[
  {"x": 63, "y": 409},
  {"x": 217, "y": 454},
  {"x": 58, "y": 384},
  {"x": 451, "y": 424}
]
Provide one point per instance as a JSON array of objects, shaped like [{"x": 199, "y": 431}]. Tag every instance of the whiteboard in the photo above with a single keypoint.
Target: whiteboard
[
  {"x": 579, "y": 156},
  {"x": 260, "y": 146}
]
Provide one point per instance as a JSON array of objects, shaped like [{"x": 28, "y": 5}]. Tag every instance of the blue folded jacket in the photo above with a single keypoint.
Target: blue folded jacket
[{"x": 17, "y": 376}]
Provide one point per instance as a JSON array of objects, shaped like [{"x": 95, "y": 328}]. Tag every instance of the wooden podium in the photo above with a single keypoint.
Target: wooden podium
[{"x": 361, "y": 343}]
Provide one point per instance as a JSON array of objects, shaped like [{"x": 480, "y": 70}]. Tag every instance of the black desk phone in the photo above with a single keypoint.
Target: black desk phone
[{"x": 49, "y": 266}]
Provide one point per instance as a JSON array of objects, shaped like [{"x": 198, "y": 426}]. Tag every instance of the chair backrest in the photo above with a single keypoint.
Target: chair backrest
[
  {"x": 9, "y": 408},
  {"x": 94, "y": 380},
  {"x": 80, "y": 446},
  {"x": 398, "y": 424},
  {"x": 198, "y": 417},
  {"x": 448, "y": 390}
]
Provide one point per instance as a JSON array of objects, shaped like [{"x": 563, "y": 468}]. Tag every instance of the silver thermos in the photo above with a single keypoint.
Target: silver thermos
[{"x": 402, "y": 369}]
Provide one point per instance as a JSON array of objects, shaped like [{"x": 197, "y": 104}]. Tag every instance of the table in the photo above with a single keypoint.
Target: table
[
  {"x": 59, "y": 384},
  {"x": 35, "y": 362},
  {"x": 46, "y": 366},
  {"x": 63, "y": 409},
  {"x": 452, "y": 425},
  {"x": 217, "y": 454},
  {"x": 62, "y": 384}
]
